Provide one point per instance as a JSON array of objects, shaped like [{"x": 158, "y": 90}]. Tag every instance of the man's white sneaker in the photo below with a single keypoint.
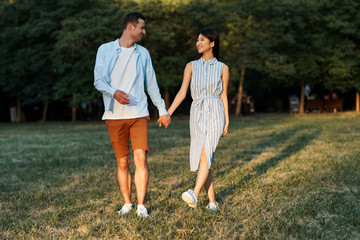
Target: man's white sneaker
[
  {"x": 142, "y": 211},
  {"x": 190, "y": 198},
  {"x": 125, "y": 209},
  {"x": 213, "y": 207}
]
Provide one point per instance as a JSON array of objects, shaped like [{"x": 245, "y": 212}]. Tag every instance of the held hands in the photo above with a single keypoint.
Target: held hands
[
  {"x": 165, "y": 120},
  {"x": 121, "y": 97}
]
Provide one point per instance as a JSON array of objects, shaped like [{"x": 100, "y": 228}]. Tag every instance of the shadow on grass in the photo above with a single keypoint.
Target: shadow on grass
[
  {"x": 188, "y": 178},
  {"x": 241, "y": 156},
  {"x": 300, "y": 142},
  {"x": 164, "y": 142},
  {"x": 326, "y": 213}
]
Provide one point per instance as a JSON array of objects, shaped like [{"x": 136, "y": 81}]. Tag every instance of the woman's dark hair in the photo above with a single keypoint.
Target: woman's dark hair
[
  {"x": 213, "y": 36},
  {"x": 132, "y": 18}
]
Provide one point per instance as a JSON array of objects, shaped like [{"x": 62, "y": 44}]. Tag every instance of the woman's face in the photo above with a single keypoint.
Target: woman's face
[{"x": 203, "y": 44}]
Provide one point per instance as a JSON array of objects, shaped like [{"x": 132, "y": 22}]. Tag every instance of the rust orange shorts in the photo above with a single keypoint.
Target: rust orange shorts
[{"x": 121, "y": 129}]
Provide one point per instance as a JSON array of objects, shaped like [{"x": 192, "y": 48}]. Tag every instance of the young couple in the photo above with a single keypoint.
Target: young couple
[{"x": 121, "y": 69}]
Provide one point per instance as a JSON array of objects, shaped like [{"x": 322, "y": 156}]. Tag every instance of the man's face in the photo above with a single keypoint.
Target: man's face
[{"x": 139, "y": 30}]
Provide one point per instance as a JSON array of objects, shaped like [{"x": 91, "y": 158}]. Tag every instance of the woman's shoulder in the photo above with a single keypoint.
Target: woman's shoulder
[
  {"x": 192, "y": 64},
  {"x": 223, "y": 65},
  {"x": 219, "y": 62},
  {"x": 195, "y": 61},
  {"x": 189, "y": 66}
]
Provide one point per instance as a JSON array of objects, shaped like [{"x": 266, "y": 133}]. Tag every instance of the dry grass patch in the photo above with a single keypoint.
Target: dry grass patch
[{"x": 276, "y": 177}]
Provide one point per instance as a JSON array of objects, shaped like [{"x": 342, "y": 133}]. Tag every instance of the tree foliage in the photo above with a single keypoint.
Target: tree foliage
[{"x": 48, "y": 48}]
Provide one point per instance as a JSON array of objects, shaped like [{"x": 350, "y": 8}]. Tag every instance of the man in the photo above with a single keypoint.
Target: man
[{"x": 122, "y": 69}]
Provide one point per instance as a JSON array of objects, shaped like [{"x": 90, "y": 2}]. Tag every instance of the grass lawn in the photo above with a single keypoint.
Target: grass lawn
[{"x": 276, "y": 177}]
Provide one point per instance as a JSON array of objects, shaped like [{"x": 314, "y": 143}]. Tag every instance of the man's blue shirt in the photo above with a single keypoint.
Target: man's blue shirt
[{"x": 105, "y": 61}]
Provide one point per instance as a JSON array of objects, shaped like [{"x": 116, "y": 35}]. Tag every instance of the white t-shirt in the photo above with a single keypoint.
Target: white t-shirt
[{"x": 122, "y": 78}]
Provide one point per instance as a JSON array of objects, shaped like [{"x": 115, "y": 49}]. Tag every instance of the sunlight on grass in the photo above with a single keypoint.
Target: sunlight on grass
[{"x": 275, "y": 177}]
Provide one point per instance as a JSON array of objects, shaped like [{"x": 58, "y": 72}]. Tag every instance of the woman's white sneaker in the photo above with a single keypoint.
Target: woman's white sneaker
[
  {"x": 142, "y": 211},
  {"x": 190, "y": 198},
  {"x": 213, "y": 207},
  {"x": 125, "y": 209}
]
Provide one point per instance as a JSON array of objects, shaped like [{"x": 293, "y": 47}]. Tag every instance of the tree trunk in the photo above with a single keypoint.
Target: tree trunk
[
  {"x": 18, "y": 108},
  {"x": 240, "y": 92},
  {"x": 357, "y": 102},
  {"x": 167, "y": 98},
  {"x": 302, "y": 98},
  {"x": 73, "y": 114},
  {"x": 44, "y": 116}
]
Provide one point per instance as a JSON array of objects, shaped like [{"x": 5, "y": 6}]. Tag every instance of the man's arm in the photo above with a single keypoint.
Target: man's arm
[
  {"x": 154, "y": 93},
  {"x": 100, "y": 81}
]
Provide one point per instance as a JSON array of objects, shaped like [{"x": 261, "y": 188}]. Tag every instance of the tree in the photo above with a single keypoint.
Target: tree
[
  {"x": 287, "y": 42},
  {"x": 341, "y": 67},
  {"x": 27, "y": 51},
  {"x": 239, "y": 52},
  {"x": 11, "y": 52},
  {"x": 165, "y": 42},
  {"x": 89, "y": 24},
  {"x": 49, "y": 47},
  {"x": 172, "y": 33}
]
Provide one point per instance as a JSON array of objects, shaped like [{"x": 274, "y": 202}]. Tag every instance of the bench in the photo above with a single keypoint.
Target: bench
[
  {"x": 326, "y": 105},
  {"x": 333, "y": 105},
  {"x": 314, "y": 104}
]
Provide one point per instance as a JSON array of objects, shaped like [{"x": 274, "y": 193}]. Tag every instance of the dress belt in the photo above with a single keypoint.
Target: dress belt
[{"x": 199, "y": 104}]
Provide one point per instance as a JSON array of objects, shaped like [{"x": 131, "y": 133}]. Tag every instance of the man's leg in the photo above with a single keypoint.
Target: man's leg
[
  {"x": 141, "y": 176},
  {"x": 124, "y": 178},
  {"x": 140, "y": 146}
]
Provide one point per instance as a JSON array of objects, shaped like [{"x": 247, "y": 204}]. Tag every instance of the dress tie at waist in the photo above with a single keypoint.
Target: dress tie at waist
[{"x": 199, "y": 104}]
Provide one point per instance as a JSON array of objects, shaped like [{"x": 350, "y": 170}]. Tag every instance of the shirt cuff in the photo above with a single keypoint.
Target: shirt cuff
[
  {"x": 112, "y": 91},
  {"x": 162, "y": 111}
]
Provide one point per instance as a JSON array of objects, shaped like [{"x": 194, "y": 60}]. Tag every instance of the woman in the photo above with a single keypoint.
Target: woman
[{"x": 209, "y": 118}]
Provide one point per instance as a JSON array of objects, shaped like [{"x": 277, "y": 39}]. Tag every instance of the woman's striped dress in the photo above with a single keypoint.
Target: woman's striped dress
[{"x": 207, "y": 118}]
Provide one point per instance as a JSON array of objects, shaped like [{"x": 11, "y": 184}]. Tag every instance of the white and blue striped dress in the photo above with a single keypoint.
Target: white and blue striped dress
[{"x": 207, "y": 118}]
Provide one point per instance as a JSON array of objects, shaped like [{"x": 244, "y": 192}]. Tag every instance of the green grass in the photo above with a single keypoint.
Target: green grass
[{"x": 276, "y": 177}]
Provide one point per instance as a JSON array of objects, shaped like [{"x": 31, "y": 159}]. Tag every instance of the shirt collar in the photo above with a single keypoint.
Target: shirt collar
[
  {"x": 118, "y": 47},
  {"x": 211, "y": 61}
]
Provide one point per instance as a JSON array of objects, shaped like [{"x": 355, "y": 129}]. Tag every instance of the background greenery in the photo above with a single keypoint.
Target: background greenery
[
  {"x": 48, "y": 48},
  {"x": 276, "y": 177}
]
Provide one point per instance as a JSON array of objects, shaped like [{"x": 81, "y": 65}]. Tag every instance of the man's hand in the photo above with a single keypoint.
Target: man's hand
[
  {"x": 121, "y": 97},
  {"x": 165, "y": 120}
]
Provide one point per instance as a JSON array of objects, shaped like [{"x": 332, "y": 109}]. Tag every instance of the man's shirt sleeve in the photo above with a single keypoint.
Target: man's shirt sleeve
[
  {"x": 153, "y": 88},
  {"x": 101, "y": 80}
]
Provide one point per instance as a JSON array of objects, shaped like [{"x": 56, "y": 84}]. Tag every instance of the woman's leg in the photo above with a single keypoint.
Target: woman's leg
[
  {"x": 203, "y": 173},
  {"x": 209, "y": 186}
]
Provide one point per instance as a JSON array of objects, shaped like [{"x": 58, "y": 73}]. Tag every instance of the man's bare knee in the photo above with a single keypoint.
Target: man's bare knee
[
  {"x": 140, "y": 158},
  {"x": 123, "y": 163}
]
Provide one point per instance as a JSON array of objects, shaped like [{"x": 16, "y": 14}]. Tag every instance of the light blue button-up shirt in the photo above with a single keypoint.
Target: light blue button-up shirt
[{"x": 105, "y": 61}]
